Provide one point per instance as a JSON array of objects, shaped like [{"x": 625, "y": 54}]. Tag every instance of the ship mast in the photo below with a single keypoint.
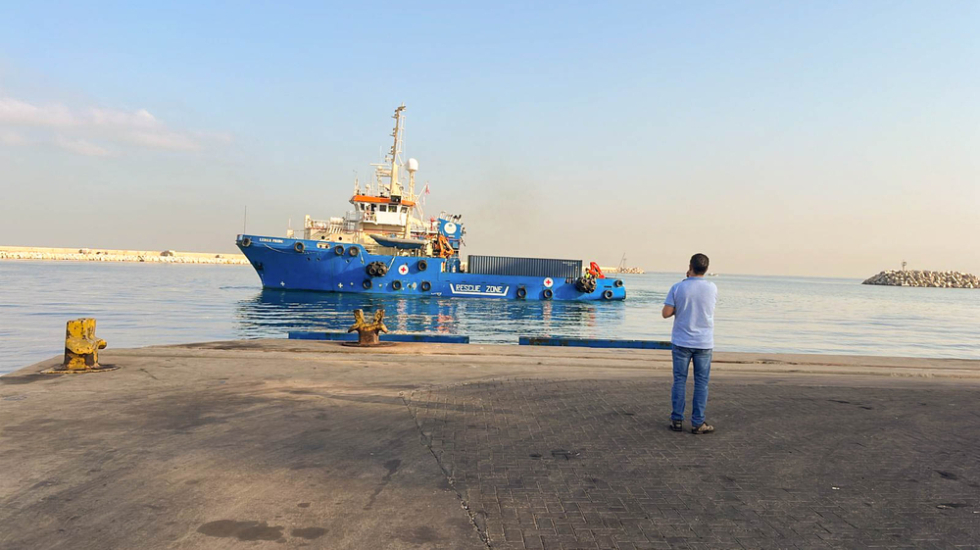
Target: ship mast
[{"x": 394, "y": 187}]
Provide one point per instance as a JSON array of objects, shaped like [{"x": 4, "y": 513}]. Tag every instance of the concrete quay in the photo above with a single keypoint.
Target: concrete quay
[{"x": 302, "y": 444}]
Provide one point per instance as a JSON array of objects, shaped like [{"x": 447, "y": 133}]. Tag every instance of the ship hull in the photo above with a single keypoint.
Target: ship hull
[{"x": 325, "y": 266}]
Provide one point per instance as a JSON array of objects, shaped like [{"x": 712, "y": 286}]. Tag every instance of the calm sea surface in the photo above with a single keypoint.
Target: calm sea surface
[{"x": 144, "y": 304}]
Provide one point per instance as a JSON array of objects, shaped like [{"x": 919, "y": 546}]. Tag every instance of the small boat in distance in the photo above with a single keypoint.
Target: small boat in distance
[{"x": 385, "y": 245}]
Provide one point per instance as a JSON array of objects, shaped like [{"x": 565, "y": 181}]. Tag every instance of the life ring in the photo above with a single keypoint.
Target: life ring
[
  {"x": 299, "y": 247},
  {"x": 422, "y": 265},
  {"x": 548, "y": 282},
  {"x": 521, "y": 293},
  {"x": 618, "y": 283},
  {"x": 548, "y": 294},
  {"x": 403, "y": 269},
  {"x": 396, "y": 285},
  {"x": 425, "y": 286},
  {"x": 607, "y": 294},
  {"x": 367, "y": 284},
  {"x": 353, "y": 251},
  {"x": 246, "y": 242},
  {"x": 339, "y": 250}
]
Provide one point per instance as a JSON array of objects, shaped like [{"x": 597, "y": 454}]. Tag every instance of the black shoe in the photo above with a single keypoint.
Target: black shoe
[
  {"x": 703, "y": 428},
  {"x": 676, "y": 426}
]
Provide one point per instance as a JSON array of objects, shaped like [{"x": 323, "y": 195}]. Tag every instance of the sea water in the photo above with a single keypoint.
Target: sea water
[{"x": 145, "y": 304}]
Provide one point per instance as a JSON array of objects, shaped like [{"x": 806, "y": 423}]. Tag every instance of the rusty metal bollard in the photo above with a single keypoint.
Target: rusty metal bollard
[
  {"x": 367, "y": 333},
  {"x": 81, "y": 348},
  {"x": 81, "y": 345}
]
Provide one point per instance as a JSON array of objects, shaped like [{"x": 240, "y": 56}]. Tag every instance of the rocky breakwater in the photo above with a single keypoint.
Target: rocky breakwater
[
  {"x": 935, "y": 279},
  {"x": 93, "y": 255}
]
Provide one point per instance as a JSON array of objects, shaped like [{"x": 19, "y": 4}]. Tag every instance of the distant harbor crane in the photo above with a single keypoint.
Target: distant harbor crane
[{"x": 623, "y": 268}]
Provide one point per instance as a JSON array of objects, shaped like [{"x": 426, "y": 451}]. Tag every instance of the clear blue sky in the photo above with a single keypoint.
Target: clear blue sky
[{"x": 832, "y": 138}]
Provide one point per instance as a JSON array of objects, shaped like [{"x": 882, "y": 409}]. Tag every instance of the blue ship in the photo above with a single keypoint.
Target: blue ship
[{"x": 386, "y": 246}]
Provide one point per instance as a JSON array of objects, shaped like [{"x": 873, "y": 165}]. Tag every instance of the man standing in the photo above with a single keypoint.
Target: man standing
[{"x": 692, "y": 304}]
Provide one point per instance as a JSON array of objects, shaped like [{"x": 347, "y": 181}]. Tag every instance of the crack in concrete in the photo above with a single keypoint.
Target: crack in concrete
[{"x": 450, "y": 478}]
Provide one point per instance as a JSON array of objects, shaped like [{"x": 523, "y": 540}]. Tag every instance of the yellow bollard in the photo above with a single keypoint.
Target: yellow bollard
[
  {"x": 367, "y": 333},
  {"x": 81, "y": 346}
]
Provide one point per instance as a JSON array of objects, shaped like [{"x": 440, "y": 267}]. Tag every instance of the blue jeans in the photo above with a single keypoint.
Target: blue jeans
[{"x": 702, "y": 368}]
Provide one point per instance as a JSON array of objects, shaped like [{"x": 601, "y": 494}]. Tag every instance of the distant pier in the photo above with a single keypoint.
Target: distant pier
[{"x": 110, "y": 255}]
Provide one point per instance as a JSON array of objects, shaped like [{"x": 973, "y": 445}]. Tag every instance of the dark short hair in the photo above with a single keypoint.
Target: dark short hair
[{"x": 699, "y": 264}]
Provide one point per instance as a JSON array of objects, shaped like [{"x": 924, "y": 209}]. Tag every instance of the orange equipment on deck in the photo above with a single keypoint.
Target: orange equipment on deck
[
  {"x": 442, "y": 248},
  {"x": 595, "y": 271}
]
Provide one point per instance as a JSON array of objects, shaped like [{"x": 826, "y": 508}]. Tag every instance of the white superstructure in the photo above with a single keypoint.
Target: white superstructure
[{"x": 384, "y": 206}]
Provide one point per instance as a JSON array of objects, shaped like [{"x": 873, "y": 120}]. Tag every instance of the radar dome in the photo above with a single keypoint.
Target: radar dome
[{"x": 413, "y": 165}]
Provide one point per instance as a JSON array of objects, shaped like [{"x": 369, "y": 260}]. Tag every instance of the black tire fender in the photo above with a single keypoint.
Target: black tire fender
[
  {"x": 353, "y": 251},
  {"x": 396, "y": 285},
  {"x": 548, "y": 294},
  {"x": 425, "y": 286},
  {"x": 422, "y": 265},
  {"x": 618, "y": 283},
  {"x": 246, "y": 242},
  {"x": 607, "y": 294},
  {"x": 367, "y": 284},
  {"x": 339, "y": 250},
  {"x": 376, "y": 269},
  {"x": 298, "y": 246},
  {"x": 521, "y": 293}
]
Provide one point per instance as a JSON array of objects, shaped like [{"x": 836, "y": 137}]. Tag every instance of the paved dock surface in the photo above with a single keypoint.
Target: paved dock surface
[{"x": 277, "y": 443}]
